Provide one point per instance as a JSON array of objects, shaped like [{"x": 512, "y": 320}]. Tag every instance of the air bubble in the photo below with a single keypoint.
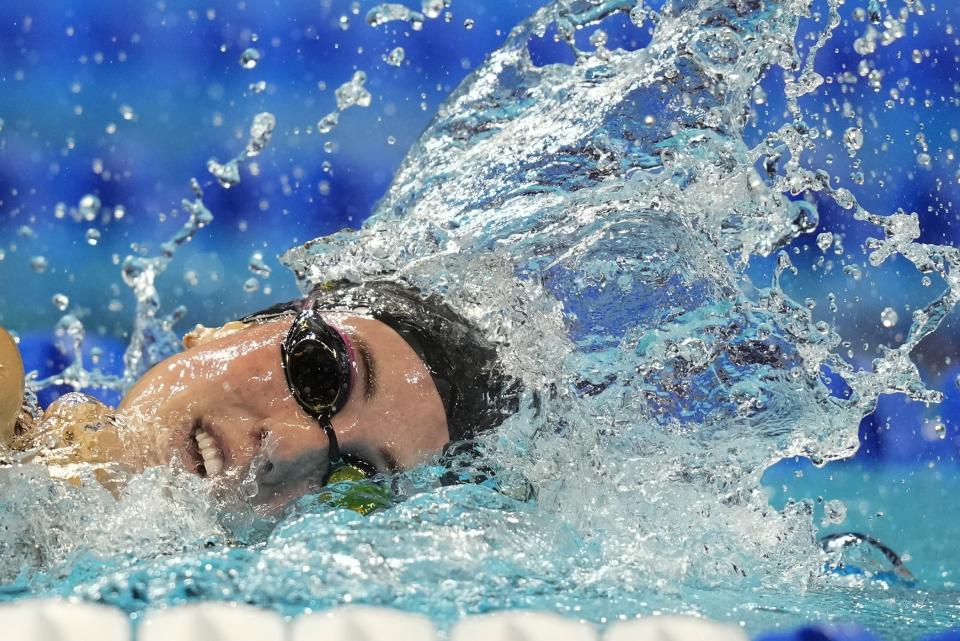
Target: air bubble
[
  {"x": 251, "y": 285},
  {"x": 468, "y": 23},
  {"x": 92, "y": 236},
  {"x": 923, "y": 159},
  {"x": 127, "y": 113}
]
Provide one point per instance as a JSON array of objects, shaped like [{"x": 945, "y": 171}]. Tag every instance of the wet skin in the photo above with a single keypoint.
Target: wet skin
[{"x": 233, "y": 388}]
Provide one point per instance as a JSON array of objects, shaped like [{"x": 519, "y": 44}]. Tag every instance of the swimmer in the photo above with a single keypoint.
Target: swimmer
[{"x": 360, "y": 379}]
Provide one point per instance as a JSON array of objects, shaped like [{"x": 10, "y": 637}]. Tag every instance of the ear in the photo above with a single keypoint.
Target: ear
[{"x": 200, "y": 334}]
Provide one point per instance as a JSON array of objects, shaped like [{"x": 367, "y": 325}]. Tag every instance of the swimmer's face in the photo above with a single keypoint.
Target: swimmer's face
[{"x": 232, "y": 387}]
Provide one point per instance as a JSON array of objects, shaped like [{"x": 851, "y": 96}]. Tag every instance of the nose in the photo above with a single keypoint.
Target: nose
[{"x": 292, "y": 455}]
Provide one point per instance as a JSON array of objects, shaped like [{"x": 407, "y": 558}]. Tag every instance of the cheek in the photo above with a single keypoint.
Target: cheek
[{"x": 291, "y": 439}]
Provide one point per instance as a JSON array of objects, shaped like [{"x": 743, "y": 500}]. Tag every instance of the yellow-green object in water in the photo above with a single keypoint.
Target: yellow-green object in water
[
  {"x": 11, "y": 387},
  {"x": 349, "y": 487}
]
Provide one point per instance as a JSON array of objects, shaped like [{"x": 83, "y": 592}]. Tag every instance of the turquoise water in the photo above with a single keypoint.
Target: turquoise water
[{"x": 631, "y": 225}]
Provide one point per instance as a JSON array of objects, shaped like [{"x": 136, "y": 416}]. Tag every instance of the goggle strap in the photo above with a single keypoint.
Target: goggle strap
[{"x": 334, "y": 448}]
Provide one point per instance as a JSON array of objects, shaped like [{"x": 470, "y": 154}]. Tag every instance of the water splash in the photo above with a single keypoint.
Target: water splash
[
  {"x": 352, "y": 93},
  {"x": 598, "y": 221},
  {"x": 622, "y": 188},
  {"x": 261, "y": 130}
]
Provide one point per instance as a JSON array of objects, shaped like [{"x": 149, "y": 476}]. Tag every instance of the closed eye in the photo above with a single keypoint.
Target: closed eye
[{"x": 369, "y": 368}]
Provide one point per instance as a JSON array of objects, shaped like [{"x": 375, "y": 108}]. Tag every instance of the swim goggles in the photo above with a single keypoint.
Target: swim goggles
[{"x": 317, "y": 366}]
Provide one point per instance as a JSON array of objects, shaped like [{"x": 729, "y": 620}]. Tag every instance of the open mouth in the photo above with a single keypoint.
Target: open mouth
[{"x": 205, "y": 452}]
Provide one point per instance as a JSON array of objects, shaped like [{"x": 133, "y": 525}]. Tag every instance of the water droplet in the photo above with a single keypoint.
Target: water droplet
[
  {"x": 599, "y": 38},
  {"x": 353, "y": 92},
  {"x": 759, "y": 95},
  {"x": 326, "y": 124},
  {"x": 834, "y": 512},
  {"x": 853, "y": 139},
  {"x": 888, "y": 317},
  {"x": 638, "y": 14},
  {"x": 260, "y": 132},
  {"x": 432, "y": 8},
  {"x": 824, "y": 240},
  {"x": 251, "y": 285},
  {"x": 38, "y": 264},
  {"x": 844, "y": 198},
  {"x": 60, "y": 301},
  {"x": 92, "y": 236},
  {"x": 853, "y": 271},
  {"x": 390, "y": 12},
  {"x": 395, "y": 57},
  {"x": 258, "y": 266},
  {"x": 249, "y": 58},
  {"x": 89, "y": 207},
  {"x": 227, "y": 174}
]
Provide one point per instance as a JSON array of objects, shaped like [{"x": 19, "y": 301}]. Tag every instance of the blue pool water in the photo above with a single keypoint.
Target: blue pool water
[{"x": 684, "y": 219}]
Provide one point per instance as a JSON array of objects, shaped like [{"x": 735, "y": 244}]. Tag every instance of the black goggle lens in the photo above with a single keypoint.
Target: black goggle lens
[{"x": 317, "y": 365}]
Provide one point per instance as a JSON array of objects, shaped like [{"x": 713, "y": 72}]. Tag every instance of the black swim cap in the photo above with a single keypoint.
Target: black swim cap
[{"x": 477, "y": 395}]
